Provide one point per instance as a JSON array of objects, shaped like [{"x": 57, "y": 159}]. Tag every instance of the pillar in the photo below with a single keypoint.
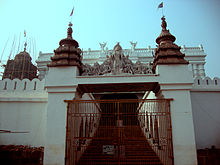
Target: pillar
[
  {"x": 178, "y": 87},
  {"x": 201, "y": 70},
  {"x": 176, "y": 82},
  {"x": 60, "y": 86},
  {"x": 60, "y": 83}
]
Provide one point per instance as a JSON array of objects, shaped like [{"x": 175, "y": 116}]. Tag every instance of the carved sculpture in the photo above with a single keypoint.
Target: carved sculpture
[
  {"x": 102, "y": 45},
  {"x": 133, "y": 45},
  {"x": 116, "y": 63}
]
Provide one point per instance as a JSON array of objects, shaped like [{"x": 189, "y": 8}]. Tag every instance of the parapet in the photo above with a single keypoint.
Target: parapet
[
  {"x": 24, "y": 85},
  {"x": 206, "y": 84}
]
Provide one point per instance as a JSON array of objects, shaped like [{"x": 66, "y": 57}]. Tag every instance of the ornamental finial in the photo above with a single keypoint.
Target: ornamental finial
[
  {"x": 70, "y": 31},
  {"x": 25, "y": 45},
  {"x": 164, "y": 23}
]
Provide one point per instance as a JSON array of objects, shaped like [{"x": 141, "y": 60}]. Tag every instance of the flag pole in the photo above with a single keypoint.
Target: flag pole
[
  {"x": 71, "y": 15},
  {"x": 161, "y": 6},
  {"x": 71, "y": 19}
]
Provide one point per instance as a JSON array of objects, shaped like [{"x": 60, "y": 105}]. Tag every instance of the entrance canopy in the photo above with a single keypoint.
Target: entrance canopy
[{"x": 118, "y": 87}]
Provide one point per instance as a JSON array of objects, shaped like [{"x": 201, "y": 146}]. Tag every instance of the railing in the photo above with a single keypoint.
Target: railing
[
  {"x": 111, "y": 131},
  {"x": 155, "y": 122},
  {"x": 82, "y": 121}
]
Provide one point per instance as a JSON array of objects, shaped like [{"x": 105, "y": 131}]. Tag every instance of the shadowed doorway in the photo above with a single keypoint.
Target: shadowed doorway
[{"x": 120, "y": 110}]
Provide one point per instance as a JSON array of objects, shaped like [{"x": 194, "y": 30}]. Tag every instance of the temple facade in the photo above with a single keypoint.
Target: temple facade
[
  {"x": 139, "y": 106},
  {"x": 195, "y": 56}
]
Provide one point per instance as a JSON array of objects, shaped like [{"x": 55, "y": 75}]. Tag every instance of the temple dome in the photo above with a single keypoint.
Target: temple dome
[
  {"x": 21, "y": 67},
  {"x": 23, "y": 56}
]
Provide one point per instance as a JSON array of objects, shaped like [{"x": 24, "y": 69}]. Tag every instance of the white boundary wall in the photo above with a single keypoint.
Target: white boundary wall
[
  {"x": 205, "y": 97},
  {"x": 22, "y": 112},
  {"x": 23, "y": 108}
]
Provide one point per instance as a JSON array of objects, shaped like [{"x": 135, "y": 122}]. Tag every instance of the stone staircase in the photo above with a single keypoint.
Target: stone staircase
[{"x": 128, "y": 146}]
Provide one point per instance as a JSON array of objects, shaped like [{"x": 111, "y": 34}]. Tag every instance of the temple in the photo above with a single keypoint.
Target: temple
[
  {"x": 111, "y": 106},
  {"x": 21, "y": 67}
]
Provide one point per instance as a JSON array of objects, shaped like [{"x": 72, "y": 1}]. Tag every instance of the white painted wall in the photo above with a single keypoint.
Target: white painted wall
[
  {"x": 60, "y": 85},
  {"x": 184, "y": 146},
  {"x": 205, "y": 98},
  {"x": 23, "y": 109},
  {"x": 176, "y": 83},
  {"x": 206, "y": 118},
  {"x": 27, "y": 117}
]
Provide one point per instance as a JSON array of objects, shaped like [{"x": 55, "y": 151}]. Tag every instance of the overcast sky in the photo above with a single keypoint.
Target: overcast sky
[{"x": 193, "y": 22}]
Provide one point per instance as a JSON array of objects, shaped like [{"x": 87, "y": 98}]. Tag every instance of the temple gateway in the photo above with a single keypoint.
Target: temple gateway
[{"x": 109, "y": 106}]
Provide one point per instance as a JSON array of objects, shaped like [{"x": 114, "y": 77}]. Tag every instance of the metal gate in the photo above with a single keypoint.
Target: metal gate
[{"x": 119, "y": 132}]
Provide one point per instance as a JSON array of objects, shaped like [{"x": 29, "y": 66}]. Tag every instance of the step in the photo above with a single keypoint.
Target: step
[
  {"x": 127, "y": 158},
  {"x": 120, "y": 160},
  {"x": 137, "y": 149},
  {"x": 121, "y": 163}
]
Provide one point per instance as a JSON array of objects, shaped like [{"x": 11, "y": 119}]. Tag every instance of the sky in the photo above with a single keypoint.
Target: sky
[{"x": 192, "y": 22}]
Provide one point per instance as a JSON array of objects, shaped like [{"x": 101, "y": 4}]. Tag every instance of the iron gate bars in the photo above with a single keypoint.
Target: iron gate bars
[{"x": 119, "y": 131}]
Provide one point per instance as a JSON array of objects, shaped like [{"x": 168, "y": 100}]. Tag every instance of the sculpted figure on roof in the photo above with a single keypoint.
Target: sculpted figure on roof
[{"x": 117, "y": 63}]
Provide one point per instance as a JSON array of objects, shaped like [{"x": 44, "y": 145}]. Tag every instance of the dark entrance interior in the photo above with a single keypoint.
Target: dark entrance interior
[{"x": 122, "y": 112}]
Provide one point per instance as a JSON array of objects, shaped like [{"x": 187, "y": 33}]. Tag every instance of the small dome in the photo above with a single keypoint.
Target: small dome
[{"x": 117, "y": 47}]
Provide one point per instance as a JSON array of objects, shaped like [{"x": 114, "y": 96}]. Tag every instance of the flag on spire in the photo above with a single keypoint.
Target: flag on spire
[
  {"x": 72, "y": 12},
  {"x": 24, "y": 33},
  {"x": 160, "y": 5}
]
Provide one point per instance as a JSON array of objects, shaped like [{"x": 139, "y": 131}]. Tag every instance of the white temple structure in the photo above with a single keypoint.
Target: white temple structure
[
  {"x": 40, "y": 112},
  {"x": 195, "y": 56}
]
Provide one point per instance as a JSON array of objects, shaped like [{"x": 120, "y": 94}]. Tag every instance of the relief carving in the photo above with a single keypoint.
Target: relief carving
[{"x": 117, "y": 63}]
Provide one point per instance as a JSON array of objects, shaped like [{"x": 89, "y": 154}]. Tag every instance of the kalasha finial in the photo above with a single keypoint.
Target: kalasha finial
[
  {"x": 70, "y": 31},
  {"x": 164, "y": 23},
  {"x": 25, "y": 45}
]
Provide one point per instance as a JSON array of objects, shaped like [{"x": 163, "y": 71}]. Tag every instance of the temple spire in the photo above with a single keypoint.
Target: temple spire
[
  {"x": 167, "y": 51},
  {"x": 68, "y": 53}
]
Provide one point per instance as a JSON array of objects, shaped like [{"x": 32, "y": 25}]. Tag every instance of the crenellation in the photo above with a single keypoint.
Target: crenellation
[
  {"x": 206, "y": 82},
  {"x": 24, "y": 85}
]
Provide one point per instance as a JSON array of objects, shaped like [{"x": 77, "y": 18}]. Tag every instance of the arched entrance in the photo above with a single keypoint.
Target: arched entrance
[{"x": 119, "y": 113}]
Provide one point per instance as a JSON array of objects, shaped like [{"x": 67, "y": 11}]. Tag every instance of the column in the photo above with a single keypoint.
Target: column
[
  {"x": 194, "y": 70},
  {"x": 201, "y": 70}
]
